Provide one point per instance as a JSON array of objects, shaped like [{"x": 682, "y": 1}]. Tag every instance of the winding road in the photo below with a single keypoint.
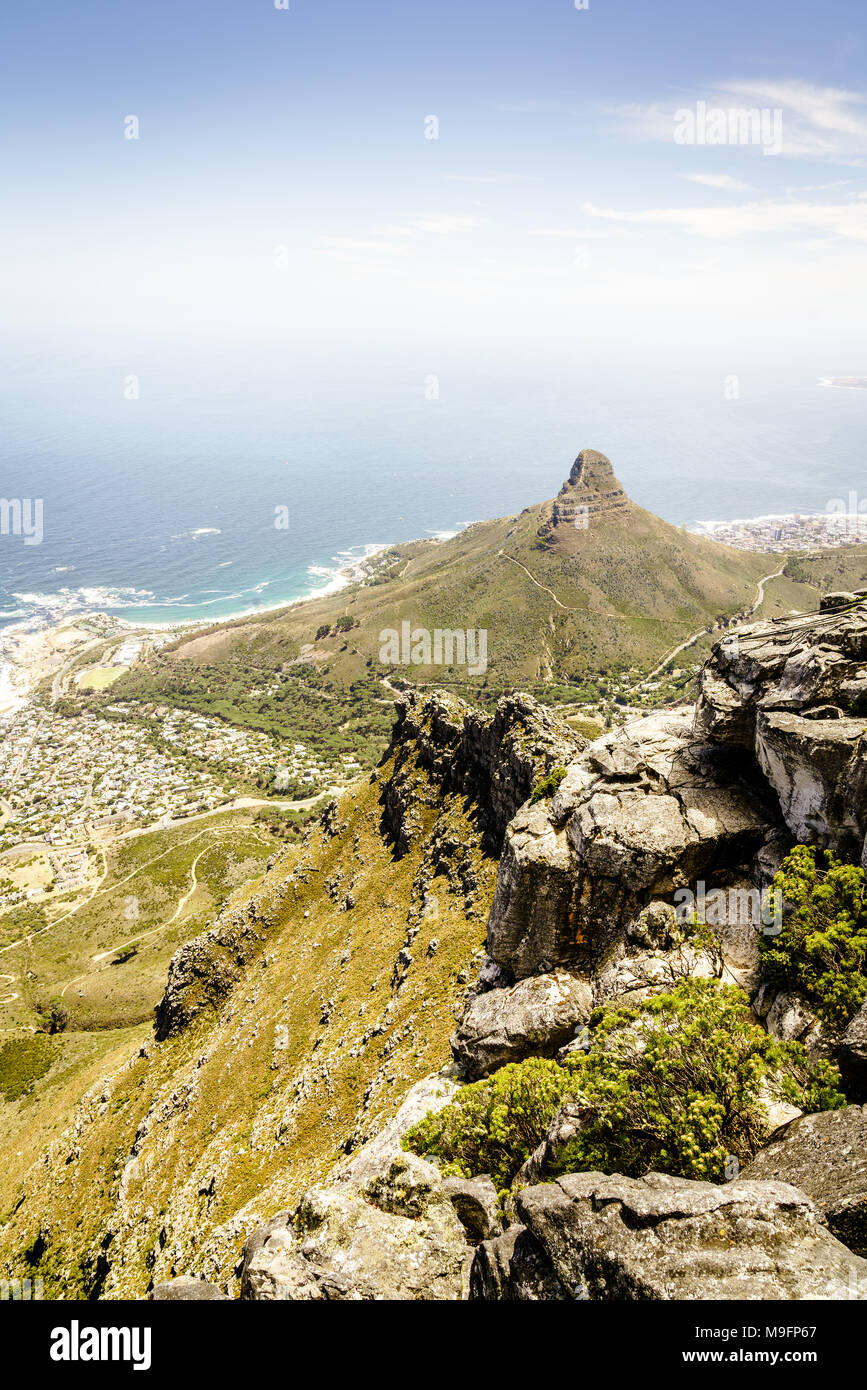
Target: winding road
[{"x": 760, "y": 598}]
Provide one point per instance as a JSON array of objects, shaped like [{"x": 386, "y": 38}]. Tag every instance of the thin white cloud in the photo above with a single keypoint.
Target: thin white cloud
[
  {"x": 848, "y": 220},
  {"x": 724, "y": 181},
  {"x": 580, "y": 233},
  {"x": 819, "y": 123},
  {"x": 490, "y": 178},
  {"x": 433, "y": 224},
  {"x": 443, "y": 224}
]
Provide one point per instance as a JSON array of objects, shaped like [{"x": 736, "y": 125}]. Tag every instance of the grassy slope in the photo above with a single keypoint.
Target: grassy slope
[
  {"x": 629, "y": 588},
  {"x": 312, "y": 1050},
  {"x": 633, "y": 586},
  {"x": 111, "y": 1005}
]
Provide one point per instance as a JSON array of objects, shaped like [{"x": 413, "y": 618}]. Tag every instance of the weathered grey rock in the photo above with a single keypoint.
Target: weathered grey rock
[
  {"x": 493, "y": 976},
  {"x": 644, "y": 810},
  {"x": 475, "y": 1201},
  {"x": 826, "y": 1156},
  {"x": 852, "y": 1056},
  {"x": 373, "y": 1162},
  {"x": 495, "y": 760},
  {"x": 811, "y": 764},
  {"x": 410, "y": 1186},
  {"x": 790, "y": 1017},
  {"x": 656, "y": 927},
  {"x": 794, "y": 691},
  {"x": 338, "y": 1246},
  {"x": 513, "y": 1267},
  {"x": 534, "y": 1017},
  {"x": 660, "y": 1237},
  {"x": 187, "y": 1290}
]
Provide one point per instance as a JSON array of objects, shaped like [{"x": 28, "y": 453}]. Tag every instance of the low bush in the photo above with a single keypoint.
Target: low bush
[
  {"x": 821, "y": 950},
  {"x": 674, "y": 1084},
  {"x": 548, "y": 785}
]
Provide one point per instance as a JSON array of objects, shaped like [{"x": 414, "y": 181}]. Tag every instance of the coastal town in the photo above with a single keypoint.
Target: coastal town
[
  {"x": 69, "y": 782},
  {"x": 841, "y": 525},
  {"x": 72, "y": 782}
]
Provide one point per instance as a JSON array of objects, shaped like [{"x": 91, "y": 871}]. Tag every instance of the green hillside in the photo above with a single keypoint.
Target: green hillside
[{"x": 571, "y": 593}]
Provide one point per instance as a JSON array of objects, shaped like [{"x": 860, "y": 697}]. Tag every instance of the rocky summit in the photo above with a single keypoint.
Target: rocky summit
[
  {"x": 390, "y": 1075},
  {"x": 591, "y": 491}
]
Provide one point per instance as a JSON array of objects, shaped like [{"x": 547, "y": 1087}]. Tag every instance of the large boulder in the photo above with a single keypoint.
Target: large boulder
[
  {"x": 645, "y": 810},
  {"x": 339, "y": 1246},
  {"x": 826, "y": 1155},
  {"x": 794, "y": 692},
  {"x": 659, "y": 1237},
  {"x": 373, "y": 1162},
  {"x": 535, "y": 1017}
]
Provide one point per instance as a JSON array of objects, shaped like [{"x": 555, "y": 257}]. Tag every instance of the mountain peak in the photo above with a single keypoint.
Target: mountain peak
[
  {"x": 593, "y": 471},
  {"x": 591, "y": 491}
]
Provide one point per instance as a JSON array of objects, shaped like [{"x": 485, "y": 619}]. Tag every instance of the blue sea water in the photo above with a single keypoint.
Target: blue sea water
[{"x": 161, "y": 506}]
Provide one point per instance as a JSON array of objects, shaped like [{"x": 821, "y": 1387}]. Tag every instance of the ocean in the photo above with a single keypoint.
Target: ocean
[{"x": 162, "y": 475}]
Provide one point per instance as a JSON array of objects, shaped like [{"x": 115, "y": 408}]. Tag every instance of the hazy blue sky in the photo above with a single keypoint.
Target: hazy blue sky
[{"x": 282, "y": 186}]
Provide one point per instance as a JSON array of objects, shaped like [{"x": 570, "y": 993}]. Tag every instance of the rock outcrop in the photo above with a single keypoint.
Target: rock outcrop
[
  {"x": 644, "y": 811},
  {"x": 514, "y": 1268},
  {"x": 666, "y": 1238},
  {"x": 493, "y": 760},
  {"x": 591, "y": 491},
  {"x": 338, "y": 1246},
  {"x": 793, "y": 692},
  {"x": 826, "y": 1156},
  {"x": 536, "y": 1017}
]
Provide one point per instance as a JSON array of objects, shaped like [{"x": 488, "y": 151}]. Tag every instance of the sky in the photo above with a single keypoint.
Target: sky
[{"x": 400, "y": 174}]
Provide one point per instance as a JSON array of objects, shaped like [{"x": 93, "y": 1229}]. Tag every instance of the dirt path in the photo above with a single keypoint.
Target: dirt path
[
  {"x": 182, "y": 902},
  {"x": 760, "y": 598},
  {"x": 539, "y": 585}
]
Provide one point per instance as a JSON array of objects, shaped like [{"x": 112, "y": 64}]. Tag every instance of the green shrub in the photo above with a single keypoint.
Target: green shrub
[
  {"x": 822, "y": 948},
  {"x": 672, "y": 1084},
  {"x": 53, "y": 1016},
  {"x": 675, "y": 1084},
  {"x": 548, "y": 785},
  {"x": 493, "y": 1125}
]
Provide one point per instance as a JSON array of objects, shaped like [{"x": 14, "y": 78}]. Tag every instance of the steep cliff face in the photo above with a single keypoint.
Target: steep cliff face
[
  {"x": 493, "y": 762},
  {"x": 290, "y": 1031},
  {"x": 258, "y": 1140},
  {"x": 774, "y": 748},
  {"x": 591, "y": 491},
  {"x": 645, "y": 811}
]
